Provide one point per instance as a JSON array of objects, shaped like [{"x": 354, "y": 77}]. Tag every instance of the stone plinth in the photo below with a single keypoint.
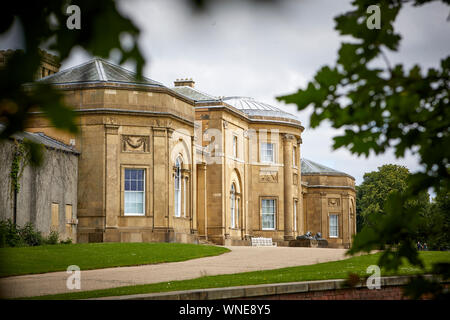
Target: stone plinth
[{"x": 310, "y": 243}]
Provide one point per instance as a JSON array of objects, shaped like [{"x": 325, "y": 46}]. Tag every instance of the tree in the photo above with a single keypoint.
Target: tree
[
  {"x": 435, "y": 224},
  {"x": 44, "y": 25},
  {"x": 376, "y": 188},
  {"x": 382, "y": 108}
]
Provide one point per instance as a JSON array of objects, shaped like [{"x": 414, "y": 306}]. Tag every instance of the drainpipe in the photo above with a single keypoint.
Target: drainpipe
[{"x": 15, "y": 206}]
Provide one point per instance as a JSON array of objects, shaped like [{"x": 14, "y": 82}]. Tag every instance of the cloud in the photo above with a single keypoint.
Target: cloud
[
  {"x": 263, "y": 51},
  {"x": 238, "y": 48}
]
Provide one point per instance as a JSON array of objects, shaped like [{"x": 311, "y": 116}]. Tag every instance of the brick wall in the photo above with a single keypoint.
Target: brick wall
[
  {"x": 391, "y": 289},
  {"x": 386, "y": 293}
]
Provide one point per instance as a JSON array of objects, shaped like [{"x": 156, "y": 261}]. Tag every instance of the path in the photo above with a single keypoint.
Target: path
[{"x": 240, "y": 259}]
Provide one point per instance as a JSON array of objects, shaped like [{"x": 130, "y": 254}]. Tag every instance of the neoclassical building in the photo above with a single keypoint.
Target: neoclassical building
[{"x": 160, "y": 163}]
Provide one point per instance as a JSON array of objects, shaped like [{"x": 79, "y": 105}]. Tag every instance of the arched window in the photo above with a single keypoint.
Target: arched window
[
  {"x": 178, "y": 163},
  {"x": 237, "y": 210},
  {"x": 233, "y": 206},
  {"x": 295, "y": 214}
]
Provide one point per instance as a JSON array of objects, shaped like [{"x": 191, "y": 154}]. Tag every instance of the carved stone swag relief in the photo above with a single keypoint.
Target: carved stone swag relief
[
  {"x": 334, "y": 202},
  {"x": 268, "y": 176},
  {"x": 135, "y": 143}
]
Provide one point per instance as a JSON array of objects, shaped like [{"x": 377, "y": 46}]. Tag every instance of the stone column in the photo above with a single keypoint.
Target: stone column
[
  {"x": 324, "y": 228},
  {"x": 246, "y": 211},
  {"x": 300, "y": 218},
  {"x": 193, "y": 188},
  {"x": 161, "y": 180},
  {"x": 288, "y": 187},
  {"x": 112, "y": 183},
  {"x": 202, "y": 217},
  {"x": 346, "y": 233},
  {"x": 303, "y": 214}
]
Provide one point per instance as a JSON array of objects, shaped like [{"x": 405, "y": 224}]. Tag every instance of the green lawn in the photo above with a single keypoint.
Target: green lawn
[
  {"x": 40, "y": 259},
  {"x": 321, "y": 271}
]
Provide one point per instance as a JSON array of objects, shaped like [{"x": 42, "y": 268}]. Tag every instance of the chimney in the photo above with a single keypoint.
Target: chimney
[{"x": 184, "y": 82}]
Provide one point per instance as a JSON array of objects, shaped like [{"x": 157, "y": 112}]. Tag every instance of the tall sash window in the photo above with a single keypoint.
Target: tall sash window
[{"x": 178, "y": 163}]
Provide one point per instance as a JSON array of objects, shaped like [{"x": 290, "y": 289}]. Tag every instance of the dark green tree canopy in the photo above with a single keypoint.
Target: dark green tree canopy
[
  {"x": 382, "y": 108},
  {"x": 385, "y": 107},
  {"x": 378, "y": 185}
]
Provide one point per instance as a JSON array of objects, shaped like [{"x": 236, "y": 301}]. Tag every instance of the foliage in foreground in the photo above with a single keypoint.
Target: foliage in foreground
[
  {"x": 382, "y": 109},
  {"x": 43, "y": 25}
]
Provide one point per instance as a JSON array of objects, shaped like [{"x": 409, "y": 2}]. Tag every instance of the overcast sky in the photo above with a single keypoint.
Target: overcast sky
[{"x": 263, "y": 51}]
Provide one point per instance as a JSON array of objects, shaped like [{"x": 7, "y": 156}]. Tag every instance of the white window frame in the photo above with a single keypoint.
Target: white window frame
[
  {"x": 184, "y": 196},
  {"x": 332, "y": 234},
  {"x": 177, "y": 191},
  {"x": 261, "y": 152},
  {"x": 274, "y": 213},
  {"x": 130, "y": 191},
  {"x": 295, "y": 214},
  {"x": 233, "y": 206},
  {"x": 235, "y": 146},
  {"x": 237, "y": 212},
  {"x": 294, "y": 156}
]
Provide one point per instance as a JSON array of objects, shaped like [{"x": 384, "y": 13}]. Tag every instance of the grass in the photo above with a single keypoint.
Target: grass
[
  {"x": 40, "y": 259},
  {"x": 322, "y": 271}
]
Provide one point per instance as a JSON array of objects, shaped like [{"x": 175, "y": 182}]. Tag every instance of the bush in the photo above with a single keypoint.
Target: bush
[
  {"x": 30, "y": 236},
  {"x": 12, "y": 235},
  {"x": 53, "y": 238},
  {"x": 9, "y": 234},
  {"x": 67, "y": 241}
]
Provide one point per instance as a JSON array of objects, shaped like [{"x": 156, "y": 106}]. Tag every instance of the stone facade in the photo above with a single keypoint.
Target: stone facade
[
  {"x": 49, "y": 63},
  {"x": 213, "y": 169},
  {"x": 326, "y": 195},
  {"x": 47, "y": 195}
]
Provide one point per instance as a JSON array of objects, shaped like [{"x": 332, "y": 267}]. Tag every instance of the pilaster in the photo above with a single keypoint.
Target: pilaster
[{"x": 288, "y": 187}]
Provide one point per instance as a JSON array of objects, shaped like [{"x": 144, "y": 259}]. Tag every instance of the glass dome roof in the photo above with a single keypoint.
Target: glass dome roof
[{"x": 254, "y": 108}]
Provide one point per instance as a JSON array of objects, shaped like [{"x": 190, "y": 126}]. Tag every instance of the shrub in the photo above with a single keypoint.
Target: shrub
[
  {"x": 9, "y": 234},
  {"x": 12, "y": 235},
  {"x": 67, "y": 241},
  {"x": 31, "y": 236},
  {"x": 53, "y": 237}
]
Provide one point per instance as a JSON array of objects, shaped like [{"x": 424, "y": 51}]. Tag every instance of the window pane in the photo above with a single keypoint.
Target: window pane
[
  {"x": 267, "y": 152},
  {"x": 268, "y": 221},
  {"x": 333, "y": 225},
  {"x": 177, "y": 187},
  {"x": 268, "y": 213},
  {"x": 134, "y": 202},
  {"x": 134, "y": 191},
  {"x": 295, "y": 215},
  {"x": 293, "y": 157}
]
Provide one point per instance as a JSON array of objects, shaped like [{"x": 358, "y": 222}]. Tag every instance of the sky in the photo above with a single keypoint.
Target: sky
[{"x": 266, "y": 50}]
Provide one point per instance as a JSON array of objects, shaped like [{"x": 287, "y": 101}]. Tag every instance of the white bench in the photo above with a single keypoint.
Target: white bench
[{"x": 263, "y": 242}]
